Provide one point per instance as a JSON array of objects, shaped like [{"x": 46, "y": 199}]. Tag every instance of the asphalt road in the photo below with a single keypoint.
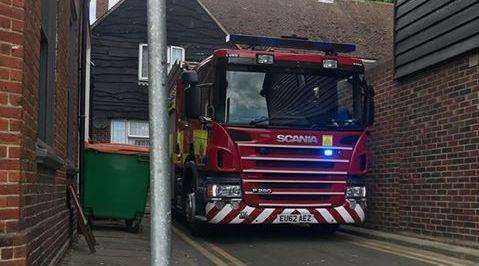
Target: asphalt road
[
  {"x": 248, "y": 245},
  {"x": 297, "y": 245}
]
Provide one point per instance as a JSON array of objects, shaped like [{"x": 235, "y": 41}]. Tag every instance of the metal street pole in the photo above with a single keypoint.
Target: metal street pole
[{"x": 159, "y": 160}]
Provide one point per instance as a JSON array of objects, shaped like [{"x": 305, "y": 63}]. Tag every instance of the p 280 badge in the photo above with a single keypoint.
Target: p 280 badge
[{"x": 261, "y": 191}]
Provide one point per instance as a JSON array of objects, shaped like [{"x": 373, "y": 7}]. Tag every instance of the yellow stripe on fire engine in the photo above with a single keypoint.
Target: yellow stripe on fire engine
[
  {"x": 327, "y": 140},
  {"x": 200, "y": 140},
  {"x": 172, "y": 145},
  {"x": 180, "y": 154}
]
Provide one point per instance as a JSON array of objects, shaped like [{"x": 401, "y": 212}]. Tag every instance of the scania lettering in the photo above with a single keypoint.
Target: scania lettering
[
  {"x": 298, "y": 139},
  {"x": 271, "y": 134}
]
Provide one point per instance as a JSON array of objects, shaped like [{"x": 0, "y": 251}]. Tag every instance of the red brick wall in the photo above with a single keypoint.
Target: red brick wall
[
  {"x": 100, "y": 135},
  {"x": 35, "y": 218},
  {"x": 11, "y": 112},
  {"x": 425, "y": 143}
]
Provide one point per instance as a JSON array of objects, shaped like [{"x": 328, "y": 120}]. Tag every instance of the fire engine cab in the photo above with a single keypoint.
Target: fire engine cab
[{"x": 271, "y": 133}]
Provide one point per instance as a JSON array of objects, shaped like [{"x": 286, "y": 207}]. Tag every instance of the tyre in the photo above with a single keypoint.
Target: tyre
[
  {"x": 324, "y": 229},
  {"x": 196, "y": 228}
]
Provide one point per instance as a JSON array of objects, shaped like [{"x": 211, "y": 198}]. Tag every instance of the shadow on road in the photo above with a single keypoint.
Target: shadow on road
[{"x": 238, "y": 234}]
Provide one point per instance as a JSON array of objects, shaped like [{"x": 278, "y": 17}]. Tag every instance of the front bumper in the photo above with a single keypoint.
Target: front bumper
[{"x": 240, "y": 213}]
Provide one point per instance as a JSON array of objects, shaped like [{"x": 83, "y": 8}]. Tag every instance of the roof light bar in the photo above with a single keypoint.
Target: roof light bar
[{"x": 327, "y": 47}]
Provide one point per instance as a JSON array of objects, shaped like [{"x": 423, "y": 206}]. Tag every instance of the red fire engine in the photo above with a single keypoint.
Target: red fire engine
[{"x": 271, "y": 135}]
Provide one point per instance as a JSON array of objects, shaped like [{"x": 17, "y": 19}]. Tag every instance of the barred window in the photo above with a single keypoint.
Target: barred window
[{"x": 134, "y": 132}]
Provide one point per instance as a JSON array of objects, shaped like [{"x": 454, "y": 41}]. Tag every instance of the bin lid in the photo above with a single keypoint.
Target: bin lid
[{"x": 117, "y": 148}]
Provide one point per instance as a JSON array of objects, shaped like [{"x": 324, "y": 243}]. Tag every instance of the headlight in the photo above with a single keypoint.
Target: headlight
[
  {"x": 265, "y": 59},
  {"x": 355, "y": 192},
  {"x": 226, "y": 191},
  {"x": 330, "y": 63}
]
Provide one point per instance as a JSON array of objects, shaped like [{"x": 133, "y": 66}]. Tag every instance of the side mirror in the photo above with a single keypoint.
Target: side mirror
[
  {"x": 193, "y": 108},
  {"x": 190, "y": 77},
  {"x": 192, "y": 94}
]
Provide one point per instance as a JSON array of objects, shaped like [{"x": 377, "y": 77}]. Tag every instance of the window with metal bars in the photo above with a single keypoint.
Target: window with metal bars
[{"x": 134, "y": 132}]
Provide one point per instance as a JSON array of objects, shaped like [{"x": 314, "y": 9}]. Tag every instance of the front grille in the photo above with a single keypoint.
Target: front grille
[
  {"x": 295, "y": 164},
  {"x": 294, "y": 198},
  {"x": 289, "y": 176},
  {"x": 294, "y": 186},
  {"x": 285, "y": 151}
]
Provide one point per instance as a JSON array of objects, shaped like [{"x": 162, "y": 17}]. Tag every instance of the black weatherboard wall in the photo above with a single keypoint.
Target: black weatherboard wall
[
  {"x": 428, "y": 32},
  {"x": 115, "y": 91}
]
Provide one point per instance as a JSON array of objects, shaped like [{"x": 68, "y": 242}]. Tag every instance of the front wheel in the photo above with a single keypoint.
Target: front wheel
[
  {"x": 324, "y": 229},
  {"x": 196, "y": 228}
]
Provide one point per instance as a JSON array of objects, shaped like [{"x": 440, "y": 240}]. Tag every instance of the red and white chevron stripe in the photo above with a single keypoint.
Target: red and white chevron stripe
[{"x": 244, "y": 214}]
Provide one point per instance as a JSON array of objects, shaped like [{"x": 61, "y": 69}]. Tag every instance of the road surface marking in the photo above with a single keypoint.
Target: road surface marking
[
  {"x": 398, "y": 253},
  {"x": 226, "y": 255},
  {"x": 212, "y": 257},
  {"x": 427, "y": 256},
  {"x": 228, "y": 259}
]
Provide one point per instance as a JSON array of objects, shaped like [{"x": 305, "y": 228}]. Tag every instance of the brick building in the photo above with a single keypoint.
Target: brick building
[
  {"x": 426, "y": 136},
  {"x": 40, "y": 85}
]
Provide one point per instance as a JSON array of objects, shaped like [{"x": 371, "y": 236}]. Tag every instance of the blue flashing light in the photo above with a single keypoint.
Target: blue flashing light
[
  {"x": 328, "y": 152},
  {"x": 295, "y": 43}
]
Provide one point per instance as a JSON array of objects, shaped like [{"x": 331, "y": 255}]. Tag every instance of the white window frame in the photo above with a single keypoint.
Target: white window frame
[
  {"x": 92, "y": 12},
  {"x": 140, "y": 61},
  {"x": 112, "y": 140},
  {"x": 169, "y": 54},
  {"x": 169, "y": 62},
  {"x": 129, "y": 135},
  {"x": 112, "y": 3},
  {"x": 168, "y": 57}
]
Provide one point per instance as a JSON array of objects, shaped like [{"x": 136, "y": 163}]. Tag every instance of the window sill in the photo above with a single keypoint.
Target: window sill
[{"x": 47, "y": 157}]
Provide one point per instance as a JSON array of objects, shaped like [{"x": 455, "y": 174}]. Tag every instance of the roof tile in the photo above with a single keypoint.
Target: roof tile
[{"x": 367, "y": 24}]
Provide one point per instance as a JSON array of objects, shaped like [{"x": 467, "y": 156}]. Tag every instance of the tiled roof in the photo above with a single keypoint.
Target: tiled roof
[{"x": 365, "y": 23}]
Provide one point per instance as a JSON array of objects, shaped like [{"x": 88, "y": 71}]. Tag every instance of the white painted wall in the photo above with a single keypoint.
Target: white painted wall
[
  {"x": 92, "y": 11},
  {"x": 87, "y": 93},
  {"x": 111, "y": 3}
]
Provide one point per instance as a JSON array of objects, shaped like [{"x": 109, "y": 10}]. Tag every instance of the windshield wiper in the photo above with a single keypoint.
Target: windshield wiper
[
  {"x": 335, "y": 124},
  {"x": 345, "y": 123},
  {"x": 267, "y": 119}
]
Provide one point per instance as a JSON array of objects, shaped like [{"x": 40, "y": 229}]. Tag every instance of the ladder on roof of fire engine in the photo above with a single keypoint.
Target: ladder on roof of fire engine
[{"x": 290, "y": 42}]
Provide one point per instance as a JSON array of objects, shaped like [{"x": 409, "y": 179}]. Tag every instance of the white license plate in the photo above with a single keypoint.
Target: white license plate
[{"x": 295, "y": 218}]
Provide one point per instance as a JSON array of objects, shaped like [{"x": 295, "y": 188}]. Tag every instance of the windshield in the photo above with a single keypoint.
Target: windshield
[{"x": 298, "y": 98}]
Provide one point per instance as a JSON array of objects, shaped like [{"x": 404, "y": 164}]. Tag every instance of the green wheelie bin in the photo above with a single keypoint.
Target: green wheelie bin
[{"x": 116, "y": 183}]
